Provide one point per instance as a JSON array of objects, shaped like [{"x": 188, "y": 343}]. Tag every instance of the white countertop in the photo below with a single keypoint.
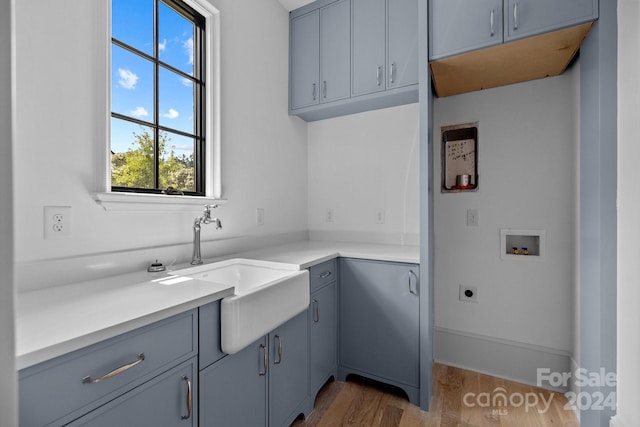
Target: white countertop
[{"x": 54, "y": 321}]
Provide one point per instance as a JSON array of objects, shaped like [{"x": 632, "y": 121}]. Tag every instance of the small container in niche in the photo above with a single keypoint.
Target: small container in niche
[
  {"x": 516, "y": 251},
  {"x": 525, "y": 251}
]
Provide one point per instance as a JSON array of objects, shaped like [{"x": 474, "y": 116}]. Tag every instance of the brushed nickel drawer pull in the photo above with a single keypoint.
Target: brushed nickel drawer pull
[
  {"x": 325, "y": 275},
  {"x": 316, "y": 311},
  {"x": 118, "y": 371},
  {"x": 189, "y": 398}
]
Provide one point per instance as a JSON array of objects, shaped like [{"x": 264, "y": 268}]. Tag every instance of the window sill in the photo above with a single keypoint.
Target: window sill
[{"x": 153, "y": 203}]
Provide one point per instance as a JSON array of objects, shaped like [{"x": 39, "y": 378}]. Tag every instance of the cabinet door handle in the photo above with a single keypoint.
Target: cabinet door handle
[
  {"x": 379, "y": 76},
  {"x": 313, "y": 91},
  {"x": 118, "y": 371},
  {"x": 277, "y": 362},
  {"x": 325, "y": 275},
  {"x": 265, "y": 361},
  {"x": 324, "y": 89},
  {"x": 189, "y": 398},
  {"x": 392, "y": 73},
  {"x": 413, "y": 284},
  {"x": 515, "y": 16},
  {"x": 492, "y": 28},
  {"x": 316, "y": 311}
]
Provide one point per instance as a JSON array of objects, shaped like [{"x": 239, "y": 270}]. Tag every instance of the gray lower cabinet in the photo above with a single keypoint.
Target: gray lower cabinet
[
  {"x": 169, "y": 400},
  {"x": 379, "y": 323},
  {"x": 233, "y": 391},
  {"x": 95, "y": 379},
  {"x": 323, "y": 325},
  {"x": 270, "y": 373}
]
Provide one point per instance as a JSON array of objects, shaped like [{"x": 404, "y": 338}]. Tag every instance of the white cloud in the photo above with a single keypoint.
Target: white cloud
[
  {"x": 186, "y": 82},
  {"x": 163, "y": 45},
  {"x": 128, "y": 79},
  {"x": 139, "y": 112},
  {"x": 188, "y": 48},
  {"x": 172, "y": 114}
]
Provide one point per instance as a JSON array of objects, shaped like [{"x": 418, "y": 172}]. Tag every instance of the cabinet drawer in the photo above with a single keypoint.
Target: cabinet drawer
[
  {"x": 168, "y": 400},
  {"x": 60, "y": 387},
  {"x": 322, "y": 274}
]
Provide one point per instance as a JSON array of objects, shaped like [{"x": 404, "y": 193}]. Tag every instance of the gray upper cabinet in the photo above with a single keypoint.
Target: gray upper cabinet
[
  {"x": 461, "y": 25},
  {"x": 368, "y": 41},
  {"x": 335, "y": 51},
  {"x": 305, "y": 60},
  {"x": 402, "y": 43},
  {"x": 368, "y": 56},
  {"x": 525, "y": 18},
  {"x": 458, "y": 26},
  {"x": 385, "y": 45},
  {"x": 321, "y": 55}
]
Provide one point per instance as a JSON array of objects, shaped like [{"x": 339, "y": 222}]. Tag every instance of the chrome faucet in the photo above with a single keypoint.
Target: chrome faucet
[{"x": 204, "y": 219}]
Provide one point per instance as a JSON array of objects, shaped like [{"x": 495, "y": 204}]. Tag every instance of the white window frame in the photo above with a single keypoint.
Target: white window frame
[{"x": 123, "y": 201}]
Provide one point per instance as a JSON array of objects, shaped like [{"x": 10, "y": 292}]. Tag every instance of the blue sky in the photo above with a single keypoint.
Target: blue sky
[{"x": 132, "y": 76}]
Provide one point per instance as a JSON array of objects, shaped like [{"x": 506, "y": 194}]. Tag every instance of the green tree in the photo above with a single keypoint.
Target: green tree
[{"x": 135, "y": 167}]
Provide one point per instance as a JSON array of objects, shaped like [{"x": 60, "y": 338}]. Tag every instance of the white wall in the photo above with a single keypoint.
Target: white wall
[
  {"x": 60, "y": 128},
  {"x": 8, "y": 381},
  {"x": 527, "y": 180},
  {"x": 362, "y": 163},
  {"x": 628, "y": 412}
]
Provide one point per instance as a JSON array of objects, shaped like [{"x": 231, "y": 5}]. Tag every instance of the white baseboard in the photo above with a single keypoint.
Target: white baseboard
[{"x": 501, "y": 358}]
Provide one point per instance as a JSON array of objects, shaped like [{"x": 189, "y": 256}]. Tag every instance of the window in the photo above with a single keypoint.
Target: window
[{"x": 158, "y": 97}]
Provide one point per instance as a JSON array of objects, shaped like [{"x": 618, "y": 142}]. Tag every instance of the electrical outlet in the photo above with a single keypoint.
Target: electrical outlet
[
  {"x": 57, "y": 222},
  {"x": 472, "y": 217},
  {"x": 260, "y": 216},
  {"x": 329, "y": 216},
  {"x": 468, "y": 293},
  {"x": 380, "y": 216}
]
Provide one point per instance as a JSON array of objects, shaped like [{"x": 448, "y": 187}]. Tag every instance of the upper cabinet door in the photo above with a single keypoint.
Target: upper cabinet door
[
  {"x": 458, "y": 26},
  {"x": 402, "y": 67},
  {"x": 525, "y": 18},
  {"x": 305, "y": 60},
  {"x": 335, "y": 51},
  {"x": 368, "y": 46}
]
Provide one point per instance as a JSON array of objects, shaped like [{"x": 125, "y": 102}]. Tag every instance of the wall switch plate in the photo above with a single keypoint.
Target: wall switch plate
[
  {"x": 259, "y": 216},
  {"x": 472, "y": 217},
  {"x": 380, "y": 216},
  {"x": 57, "y": 222},
  {"x": 329, "y": 215},
  {"x": 468, "y": 293}
]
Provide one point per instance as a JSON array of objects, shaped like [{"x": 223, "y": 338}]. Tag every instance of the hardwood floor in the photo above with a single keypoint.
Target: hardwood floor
[{"x": 461, "y": 398}]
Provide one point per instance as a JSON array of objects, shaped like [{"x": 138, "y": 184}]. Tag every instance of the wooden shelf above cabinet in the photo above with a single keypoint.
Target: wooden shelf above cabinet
[{"x": 522, "y": 60}]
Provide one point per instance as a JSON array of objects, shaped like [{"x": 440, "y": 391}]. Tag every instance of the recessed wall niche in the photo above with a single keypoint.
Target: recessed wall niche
[{"x": 459, "y": 158}]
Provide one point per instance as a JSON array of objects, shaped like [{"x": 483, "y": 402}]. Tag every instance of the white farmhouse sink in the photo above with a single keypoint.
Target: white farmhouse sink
[{"x": 267, "y": 294}]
